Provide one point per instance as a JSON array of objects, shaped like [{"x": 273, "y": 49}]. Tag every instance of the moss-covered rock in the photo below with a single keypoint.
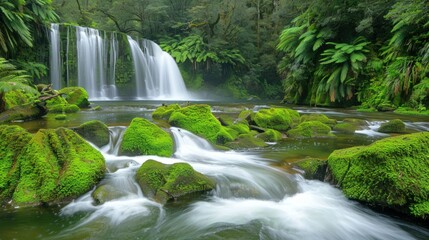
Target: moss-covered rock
[
  {"x": 13, "y": 139},
  {"x": 392, "y": 126},
  {"x": 75, "y": 95},
  {"x": 55, "y": 166},
  {"x": 199, "y": 120},
  {"x": 145, "y": 138},
  {"x": 94, "y": 131},
  {"x": 60, "y": 105},
  {"x": 105, "y": 193},
  {"x": 246, "y": 141},
  {"x": 17, "y": 98},
  {"x": 164, "y": 112},
  {"x": 167, "y": 182},
  {"x": 313, "y": 168},
  {"x": 23, "y": 112},
  {"x": 310, "y": 129},
  {"x": 318, "y": 117},
  {"x": 350, "y": 125},
  {"x": 60, "y": 117},
  {"x": 247, "y": 115},
  {"x": 391, "y": 172},
  {"x": 270, "y": 135},
  {"x": 386, "y": 107},
  {"x": 280, "y": 119}
]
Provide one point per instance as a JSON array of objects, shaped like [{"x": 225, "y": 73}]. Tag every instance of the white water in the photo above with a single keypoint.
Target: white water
[
  {"x": 252, "y": 201},
  {"x": 372, "y": 130},
  {"x": 156, "y": 75},
  {"x": 55, "y": 58}
]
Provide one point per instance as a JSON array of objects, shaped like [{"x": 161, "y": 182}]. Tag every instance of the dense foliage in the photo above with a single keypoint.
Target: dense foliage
[{"x": 340, "y": 53}]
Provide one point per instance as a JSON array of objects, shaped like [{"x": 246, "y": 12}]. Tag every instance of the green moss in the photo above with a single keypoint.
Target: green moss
[
  {"x": 165, "y": 182},
  {"x": 75, "y": 95},
  {"x": 318, "y": 117},
  {"x": 145, "y": 138},
  {"x": 199, "y": 120},
  {"x": 164, "y": 112},
  {"x": 270, "y": 135},
  {"x": 411, "y": 111},
  {"x": 310, "y": 129},
  {"x": 55, "y": 166},
  {"x": 17, "y": 98},
  {"x": 386, "y": 107},
  {"x": 420, "y": 210},
  {"x": 63, "y": 108},
  {"x": 392, "y": 126},
  {"x": 246, "y": 115},
  {"x": 94, "y": 131},
  {"x": 13, "y": 139},
  {"x": 350, "y": 125},
  {"x": 246, "y": 141},
  {"x": 391, "y": 172},
  {"x": 313, "y": 168},
  {"x": 60, "y": 117},
  {"x": 105, "y": 193},
  {"x": 280, "y": 119}
]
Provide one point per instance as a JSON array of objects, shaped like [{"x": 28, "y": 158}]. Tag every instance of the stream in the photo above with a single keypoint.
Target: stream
[{"x": 257, "y": 195}]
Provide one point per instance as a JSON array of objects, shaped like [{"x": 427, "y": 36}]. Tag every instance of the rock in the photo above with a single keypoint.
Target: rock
[
  {"x": 247, "y": 115},
  {"x": 270, "y": 135},
  {"x": 318, "y": 117},
  {"x": 313, "y": 168},
  {"x": 246, "y": 141},
  {"x": 391, "y": 172},
  {"x": 60, "y": 117},
  {"x": 75, "y": 95},
  {"x": 392, "y": 126},
  {"x": 105, "y": 193},
  {"x": 145, "y": 138},
  {"x": 60, "y": 105},
  {"x": 94, "y": 131},
  {"x": 16, "y": 98},
  {"x": 162, "y": 182},
  {"x": 56, "y": 166},
  {"x": 350, "y": 125},
  {"x": 23, "y": 112},
  {"x": 386, "y": 107},
  {"x": 13, "y": 139},
  {"x": 310, "y": 129},
  {"x": 164, "y": 112},
  {"x": 280, "y": 119},
  {"x": 199, "y": 120}
]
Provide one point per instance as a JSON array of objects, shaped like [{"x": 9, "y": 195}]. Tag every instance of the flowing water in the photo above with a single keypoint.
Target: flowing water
[{"x": 255, "y": 198}]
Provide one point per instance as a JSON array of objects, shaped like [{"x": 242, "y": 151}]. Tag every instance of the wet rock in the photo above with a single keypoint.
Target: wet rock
[
  {"x": 392, "y": 126},
  {"x": 164, "y": 112},
  {"x": 94, "y": 131},
  {"x": 105, "y": 193},
  {"x": 310, "y": 129},
  {"x": 246, "y": 141},
  {"x": 75, "y": 95},
  {"x": 162, "y": 182},
  {"x": 318, "y": 117},
  {"x": 350, "y": 125},
  {"x": 313, "y": 168},
  {"x": 270, "y": 135},
  {"x": 391, "y": 173},
  {"x": 145, "y": 138},
  {"x": 280, "y": 119}
]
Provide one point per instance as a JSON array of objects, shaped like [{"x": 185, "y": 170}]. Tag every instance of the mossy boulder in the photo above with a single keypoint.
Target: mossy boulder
[
  {"x": 310, "y": 129},
  {"x": 248, "y": 140},
  {"x": 105, "y": 193},
  {"x": 247, "y": 115},
  {"x": 391, "y": 172},
  {"x": 162, "y": 182},
  {"x": 392, "y": 126},
  {"x": 23, "y": 112},
  {"x": 13, "y": 139},
  {"x": 270, "y": 135},
  {"x": 17, "y": 98},
  {"x": 56, "y": 165},
  {"x": 145, "y": 138},
  {"x": 164, "y": 112},
  {"x": 350, "y": 125},
  {"x": 75, "y": 95},
  {"x": 60, "y": 105},
  {"x": 280, "y": 119},
  {"x": 313, "y": 168},
  {"x": 199, "y": 120},
  {"x": 386, "y": 107},
  {"x": 318, "y": 117},
  {"x": 94, "y": 131}
]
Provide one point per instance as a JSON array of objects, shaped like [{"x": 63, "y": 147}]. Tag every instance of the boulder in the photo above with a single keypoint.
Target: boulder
[
  {"x": 246, "y": 141},
  {"x": 145, "y": 138},
  {"x": 310, "y": 129},
  {"x": 60, "y": 105},
  {"x": 199, "y": 120},
  {"x": 162, "y": 182},
  {"x": 350, "y": 125},
  {"x": 75, "y": 95},
  {"x": 13, "y": 139},
  {"x": 55, "y": 166},
  {"x": 94, "y": 131},
  {"x": 17, "y": 98},
  {"x": 270, "y": 135},
  {"x": 318, "y": 117},
  {"x": 392, "y": 126},
  {"x": 280, "y": 119},
  {"x": 23, "y": 112},
  {"x": 164, "y": 112},
  {"x": 391, "y": 173},
  {"x": 313, "y": 168},
  {"x": 105, "y": 193}
]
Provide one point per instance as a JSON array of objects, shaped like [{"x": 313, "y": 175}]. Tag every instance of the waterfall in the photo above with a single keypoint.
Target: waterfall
[
  {"x": 54, "y": 55},
  {"x": 97, "y": 60}
]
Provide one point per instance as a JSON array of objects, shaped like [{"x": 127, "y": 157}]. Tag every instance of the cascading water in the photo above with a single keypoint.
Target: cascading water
[
  {"x": 156, "y": 75},
  {"x": 252, "y": 201}
]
